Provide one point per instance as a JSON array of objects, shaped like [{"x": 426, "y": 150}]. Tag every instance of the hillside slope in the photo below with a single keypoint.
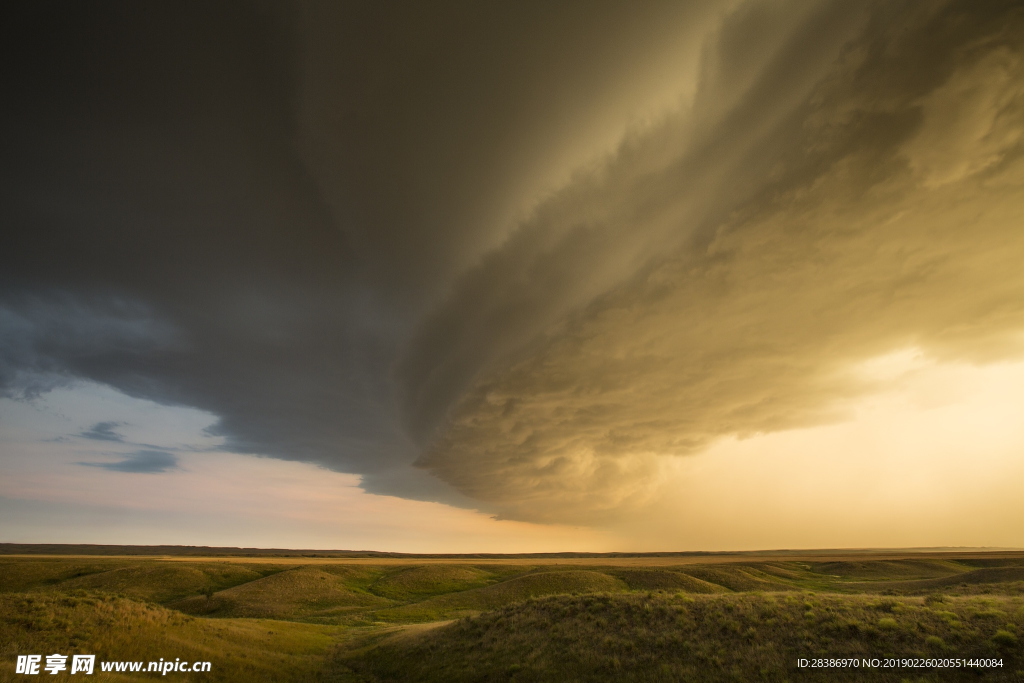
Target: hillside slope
[{"x": 663, "y": 637}]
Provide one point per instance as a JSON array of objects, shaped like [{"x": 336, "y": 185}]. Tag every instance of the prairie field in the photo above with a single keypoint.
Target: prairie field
[{"x": 741, "y": 617}]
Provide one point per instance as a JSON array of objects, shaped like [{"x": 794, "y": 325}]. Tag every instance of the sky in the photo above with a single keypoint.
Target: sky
[{"x": 513, "y": 277}]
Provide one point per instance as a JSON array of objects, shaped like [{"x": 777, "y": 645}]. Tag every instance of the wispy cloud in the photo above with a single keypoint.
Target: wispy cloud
[
  {"x": 103, "y": 431},
  {"x": 144, "y": 461}
]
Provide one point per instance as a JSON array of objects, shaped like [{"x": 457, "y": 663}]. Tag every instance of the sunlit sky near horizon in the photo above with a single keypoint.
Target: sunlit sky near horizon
[{"x": 578, "y": 276}]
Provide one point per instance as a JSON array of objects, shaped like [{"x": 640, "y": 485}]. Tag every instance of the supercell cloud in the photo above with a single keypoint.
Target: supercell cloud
[
  {"x": 512, "y": 257},
  {"x": 721, "y": 274}
]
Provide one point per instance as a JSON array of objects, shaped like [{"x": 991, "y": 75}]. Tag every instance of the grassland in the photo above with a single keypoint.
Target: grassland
[
  {"x": 666, "y": 637},
  {"x": 528, "y": 619}
]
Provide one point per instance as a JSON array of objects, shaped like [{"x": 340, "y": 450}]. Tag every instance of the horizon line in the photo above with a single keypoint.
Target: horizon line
[{"x": 13, "y": 548}]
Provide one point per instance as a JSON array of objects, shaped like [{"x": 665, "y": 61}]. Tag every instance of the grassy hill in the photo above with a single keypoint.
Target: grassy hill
[
  {"x": 507, "y": 592},
  {"x": 664, "y": 637},
  {"x": 518, "y": 620},
  {"x": 302, "y": 593},
  {"x": 419, "y": 583},
  {"x": 122, "y": 629},
  {"x": 146, "y": 580},
  {"x": 666, "y": 579}
]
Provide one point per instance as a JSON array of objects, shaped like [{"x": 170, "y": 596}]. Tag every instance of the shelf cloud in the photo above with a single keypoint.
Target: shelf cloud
[
  {"x": 853, "y": 201},
  {"x": 519, "y": 257}
]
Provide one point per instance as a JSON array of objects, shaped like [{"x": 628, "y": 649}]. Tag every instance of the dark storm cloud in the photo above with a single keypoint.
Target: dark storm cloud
[
  {"x": 162, "y": 235},
  {"x": 42, "y": 333},
  {"x": 278, "y": 191},
  {"x": 362, "y": 233},
  {"x": 103, "y": 431},
  {"x": 144, "y": 461}
]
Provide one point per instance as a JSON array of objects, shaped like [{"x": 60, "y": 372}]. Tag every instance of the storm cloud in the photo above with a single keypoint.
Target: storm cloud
[
  {"x": 853, "y": 202},
  {"x": 514, "y": 256}
]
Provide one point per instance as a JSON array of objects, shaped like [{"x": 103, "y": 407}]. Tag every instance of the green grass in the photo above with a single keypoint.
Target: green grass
[
  {"x": 739, "y": 578},
  {"x": 122, "y": 629},
  {"x": 150, "y": 580},
  {"x": 507, "y": 592},
  {"x": 664, "y": 579},
  {"x": 418, "y": 583},
  {"x": 160, "y": 583},
  {"x": 301, "y": 593},
  {"x": 678, "y": 637},
  {"x": 23, "y": 575},
  {"x": 881, "y": 570},
  {"x": 514, "y": 621}
]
